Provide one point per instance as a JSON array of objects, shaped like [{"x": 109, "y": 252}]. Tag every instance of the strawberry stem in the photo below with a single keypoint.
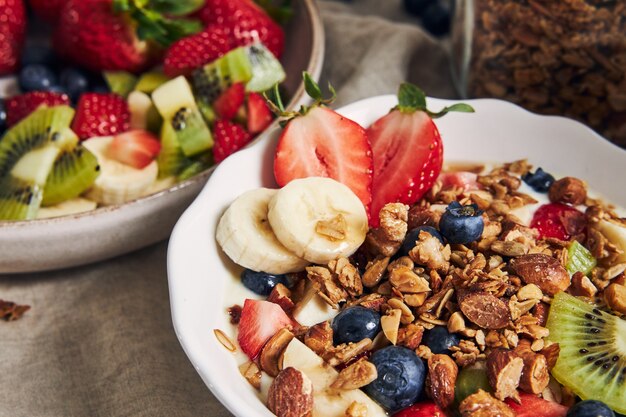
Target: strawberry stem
[{"x": 411, "y": 98}]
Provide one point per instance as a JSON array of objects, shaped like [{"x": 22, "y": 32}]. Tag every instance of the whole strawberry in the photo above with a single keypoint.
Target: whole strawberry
[
  {"x": 48, "y": 10},
  {"x": 245, "y": 21},
  {"x": 20, "y": 106},
  {"x": 12, "y": 30},
  {"x": 100, "y": 114},
  {"x": 229, "y": 138},
  {"x": 189, "y": 53}
]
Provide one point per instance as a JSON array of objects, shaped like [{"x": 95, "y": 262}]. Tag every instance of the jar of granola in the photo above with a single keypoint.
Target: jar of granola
[{"x": 560, "y": 57}]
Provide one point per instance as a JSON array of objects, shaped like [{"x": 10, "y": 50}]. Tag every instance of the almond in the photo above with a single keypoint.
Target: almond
[
  {"x": 270, "y": 358},
  {"x": 291, "y": 394},
  {"x": 484, "y": 309},
  {"x": 442, "y": 374},
  {"x": 282, "y": 296},
  {"x": 568, "y": 190},
  {"x": 482, "y": 404},
  {"x": 542, "y": 270},
  {"x": 504, "y": 370},
  {"x": 535, "y": 375},
  {"x": 319, "y": 338}
]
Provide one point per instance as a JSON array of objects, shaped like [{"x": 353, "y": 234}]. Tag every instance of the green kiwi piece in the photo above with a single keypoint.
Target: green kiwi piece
[
  {"x": 19, "y": 200},
  {"x": 45, "y": 125},
  {"x": 150, "y": 81},
  {"x": 215, "y": 77},
  {"x": 193, "y": 134},
  {"x": 196, "y": 166},
  {"x": 592, "y": 361},
  {"x": 266, "y": 69},
  {"x": 120, "y": 82},
  {"x": 74, "y": 171},
  {"x": 171, "y": 160}
]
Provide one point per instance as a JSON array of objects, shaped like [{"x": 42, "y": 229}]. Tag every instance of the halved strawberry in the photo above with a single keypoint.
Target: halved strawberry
[
  {"x": 259, "y": 114},
  {"x": 20, "y": 106},
  {"x": 12, "y": 32},
  {"x": 137, "y": 148},
  {"x": 228, "y": 103},
  {"x": 100, "y": 114},
  {"x": 319, "y": 142},
  {"x": 407, "y": 149},
  {"x": 229, "y": 138},
  {"x": 533, "y": 406},
  {"x": 259, "y": 321},
  {"x": 425, "y": 409},
  {"x": 460, "y": 179},
  {"x": 559, "y": 221},
  {"x": 192, "y": 52}
]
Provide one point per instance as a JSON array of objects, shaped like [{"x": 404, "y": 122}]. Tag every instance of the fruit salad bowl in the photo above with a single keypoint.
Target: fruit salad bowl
[
  {"x": 204, "y": 282},
  {"x": 111, "y": 230}
]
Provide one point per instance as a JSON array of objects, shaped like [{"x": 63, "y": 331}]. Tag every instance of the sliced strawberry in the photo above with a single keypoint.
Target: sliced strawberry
[
  {"x": 559, "y": 221},
  {"x": 192, "y": 52},
  {"x": 259, "y": 114},
  {"x": 12, "y": 31},
  {"x": 137, "y": 148},
  {"x": 533, "y": 406},
  {"x": 246, "y": 23},
  {"x": 259, "y": 321},
  {"x": 99, "y": 114},
  {"x": 425, "y": 409},
  {"x": 460, "y": 179},
  {"x": 407, "y": 149},
  {"x": 229, "y": 138},
  {"x": 18, "y": 107},
  {"x": 228, "y": 103}
]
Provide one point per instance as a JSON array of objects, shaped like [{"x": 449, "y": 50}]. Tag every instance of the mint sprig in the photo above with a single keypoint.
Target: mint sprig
[{"x": 411, "y": 98}]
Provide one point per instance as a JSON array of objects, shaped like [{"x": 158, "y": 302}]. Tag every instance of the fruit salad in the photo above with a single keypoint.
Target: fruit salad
[
  {"x": 382, "y": 282},
  {"x": 131, "y": 98}
]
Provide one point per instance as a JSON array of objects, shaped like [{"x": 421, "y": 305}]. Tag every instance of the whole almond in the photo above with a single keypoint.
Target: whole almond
[
  {"x": 568, "y": 190},
  {"x": 542, "y": 270},
  {"x": 484, "y": 309},
  {"x": 291, "y": 394}
]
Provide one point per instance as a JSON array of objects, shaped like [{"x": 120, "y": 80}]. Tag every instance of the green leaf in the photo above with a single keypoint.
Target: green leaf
[
  {"x": 274, "y": 100},
  {"x": 311, "y": 87},
  {"x": 175, "y": 7},
  {"x": 458, "y": 107},
  {"x": 120, "y": 6},
  {"x": 411, "y": 98}
]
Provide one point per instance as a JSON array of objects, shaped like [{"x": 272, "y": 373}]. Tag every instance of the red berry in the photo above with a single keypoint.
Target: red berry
[
  {"x": 424, "y": 409},
  {"x": 192, "y": 52},
  {"x": 259, "y": 114},
  {"x": 20, "y": 106},
  {"x": 229, "y": 138},
  {"x": 12, "y": 31},
  {"x": 245, "y": 21},
  {"x": 48, "y": 10},
  {"x": 228, "y": 103},
  {"x": 259, "y": 321},
  {"x": 533, "y": 406},
  {"x": 137, "y": 148},
  {"x": 558, "y": 221},
  {"x": 100, "y": 115},
  {"x": 322, "y": 143}
]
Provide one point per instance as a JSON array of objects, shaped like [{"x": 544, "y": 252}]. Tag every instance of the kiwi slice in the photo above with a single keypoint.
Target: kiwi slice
[
  {"x": 171, "y": 160},
  {"x": 120, "y": 82},
  {"x": 592, "y": 362},
  {"x": 266, "y": 69},
  {"x": 215, "y": 77},
  {"x": 19, "y": 200},
  {"x": 74, "y": 171},
  {"x": 150, "y": 81}
]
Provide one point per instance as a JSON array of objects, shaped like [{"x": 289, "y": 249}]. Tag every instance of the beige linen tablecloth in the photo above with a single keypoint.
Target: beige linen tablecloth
[{"x": 98, "y": 340}]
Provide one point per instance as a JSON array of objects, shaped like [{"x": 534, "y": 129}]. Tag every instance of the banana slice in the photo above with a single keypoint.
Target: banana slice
[
  {"x": 616, "y": 233},
  {"x": 72, "y": 206},
  {"x": 245, "y": 235},
  {"x": 319, "y": 219},
  {"x": 327, "y": 402},
  {"x": 117, "y": 182}
]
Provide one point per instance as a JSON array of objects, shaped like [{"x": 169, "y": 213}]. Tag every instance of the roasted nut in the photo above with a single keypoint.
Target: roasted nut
[
  {"x": 356, "y": 409},
  {"x": 282, "y": 296},
  {"x": 374, "y": 271},
  {"x": 441, "y": 380},
  {"x": 410, "y": 336},
  {"x": 415, "y": 300},
  {"x": 388, "y": 237},
  {"x": 535, "y": 375},
  {"x": 456, "y": 322},
  {"x": 482, "y": 404},
  {"x": 429, "y": 251},
  {"x": 529, "y": 292},
  {"x": 355, "y": 376},
  {"x": 615, "y": 297},
  {"x": 551, "y": 353},
  {"x": 509, "y": 248},
  {"x": 484, "y": 309},
  {"x": 271, "y": 354},
  {"x": 504, "y": 370},
  {"x": 582, "y": 286},
  {"x": 291, "y": 394},
  {"x": 319, "y": 338},
  {"x": 390, "y": 323},
  {"x": 540, "y": 313},
  {"x": 568, "y": 190},
  {"x": 332, "y": 229},
  {"x": 346, "y": 351},
  {"x": 252, "y": 373},
  {"x": 347, "y": 275},
  {"x": 542, "y": 270},
  {"x": 407, "y": 281}
]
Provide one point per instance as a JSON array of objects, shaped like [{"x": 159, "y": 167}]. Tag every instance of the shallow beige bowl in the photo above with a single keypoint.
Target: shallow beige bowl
[{"x": 39, "y": 245}]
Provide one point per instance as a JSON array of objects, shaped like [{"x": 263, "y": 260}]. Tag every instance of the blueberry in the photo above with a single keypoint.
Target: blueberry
[
  {"x": 37, "y": 55},
  {"x": 439, "y": 340},
  {"x": 461, "y": 224},
  {"x": 540, "y": 181},
  {"x": 590, "y": 408},
  {"x": 412, "y": 237},
  {"x": 355, "y": 324},
  {"x": 36, "y": 78},
  {"x": 416, "y": 7},
  {"x": 261, "y": 283},
  {"x": 401, "y": 375},
  {"x": 74, "y": 81},
  {"x": 436, "y": 18}
]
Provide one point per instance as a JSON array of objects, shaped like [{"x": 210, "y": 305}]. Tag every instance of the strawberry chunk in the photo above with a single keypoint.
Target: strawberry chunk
[
  {"x": 228, "y": 103},
  {"x": 12, "y": 32},
  {"x": 100, "y": 114},
  {"x": 136, "y": 148},
  {"x": 259, "y": 321},
  {"x": 532, "y": 406},
  {"x": 460, "y": 179},
  {"x": 559, "y": 221},
  {"x": 229, "y": 138},
  {"x": 20, "y": 106},
  {"x": 425, "y": 409},
  {"x": 194, "y": 51},
  {"x": 259, "y": 114},
  {"x": 322, "y": 143}
]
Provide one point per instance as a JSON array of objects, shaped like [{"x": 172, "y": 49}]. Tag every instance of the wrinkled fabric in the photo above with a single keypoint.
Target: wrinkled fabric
[{"x": 99, "y": 340}]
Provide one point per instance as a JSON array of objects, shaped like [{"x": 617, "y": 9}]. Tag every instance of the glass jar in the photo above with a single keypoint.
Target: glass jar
[{"x": 560, "y": 57}]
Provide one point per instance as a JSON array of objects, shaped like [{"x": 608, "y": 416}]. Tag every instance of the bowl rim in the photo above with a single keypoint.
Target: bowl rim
[{"x": 314, "y": 67}]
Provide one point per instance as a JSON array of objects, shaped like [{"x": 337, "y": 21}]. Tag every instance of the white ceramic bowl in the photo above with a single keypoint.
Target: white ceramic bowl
[
  {"x": 46, "y": 244},
  {"x": 201, "y": 277}
]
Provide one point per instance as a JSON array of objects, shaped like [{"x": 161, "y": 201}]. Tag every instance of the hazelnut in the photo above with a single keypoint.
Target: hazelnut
[{"x": 568, "y": 190}]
